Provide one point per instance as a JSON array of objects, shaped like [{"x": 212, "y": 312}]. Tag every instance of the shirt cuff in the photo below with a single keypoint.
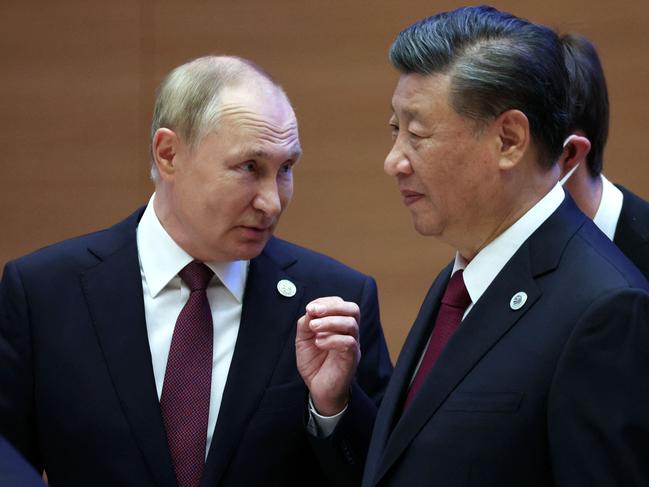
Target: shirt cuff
[{"x": 322, "y": 426}]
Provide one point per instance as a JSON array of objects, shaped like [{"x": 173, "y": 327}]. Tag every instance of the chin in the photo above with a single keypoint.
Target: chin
[
  {"x": 241, "y": 251},
  {"x": 248, "y": 251},
  {"x": 427, "y": 229}
]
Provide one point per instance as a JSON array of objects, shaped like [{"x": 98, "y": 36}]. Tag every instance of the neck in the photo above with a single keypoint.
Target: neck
[
  {"x": 586, "y": 190},
  {"x": 524, "y": 193},
  {"x": 168, "y": 220}
]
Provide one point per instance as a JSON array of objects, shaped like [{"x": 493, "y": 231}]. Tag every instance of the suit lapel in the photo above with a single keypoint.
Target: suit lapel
[
  {"x": 267, "y": 320},
  {"x": 469, "y": 344},
  {"x": 113, "y": 291},
  {"x": 477, "y": 334},
  {"x": 413, "y": 347}
]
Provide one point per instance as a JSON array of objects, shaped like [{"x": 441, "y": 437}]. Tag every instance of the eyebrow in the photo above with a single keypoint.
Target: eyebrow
[
  {"x": 260, "y": 153},
  {"x": 408, "y": 112}
]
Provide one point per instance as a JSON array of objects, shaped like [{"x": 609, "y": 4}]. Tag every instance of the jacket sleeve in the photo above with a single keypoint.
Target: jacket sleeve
[
  {"x": 598, "y": 406},
  {"x": 17, "y": 386},
  {"x": 342, "y": 454}
]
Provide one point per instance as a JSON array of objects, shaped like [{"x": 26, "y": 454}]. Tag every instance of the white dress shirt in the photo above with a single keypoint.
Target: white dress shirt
[
  {"x": 165, "y": 295},
  {"x": 610, "y": 207},
  {"x": 487, "y": 264}
]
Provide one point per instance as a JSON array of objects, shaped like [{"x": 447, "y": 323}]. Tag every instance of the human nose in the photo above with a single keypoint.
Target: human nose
[
  {"x": 396, "y": 161},
  {"x": 268, "y": 199}
]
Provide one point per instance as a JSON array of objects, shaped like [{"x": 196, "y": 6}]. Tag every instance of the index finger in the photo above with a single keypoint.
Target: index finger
[{"x": 333, "y": 306}]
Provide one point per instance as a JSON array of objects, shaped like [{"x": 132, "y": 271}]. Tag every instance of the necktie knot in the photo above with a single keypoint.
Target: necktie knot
[
  {"x": 196, "y": 275},
  {"x": 456, "y": 294}
]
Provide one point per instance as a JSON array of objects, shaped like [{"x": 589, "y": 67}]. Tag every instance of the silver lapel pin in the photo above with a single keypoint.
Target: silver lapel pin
[
  {"x": 518, "y": 300},
  {"x": 286, "y": 288}
]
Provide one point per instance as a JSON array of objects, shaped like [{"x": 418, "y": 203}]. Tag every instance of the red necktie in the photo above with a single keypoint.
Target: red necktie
[
  {"x": 454, "y": 302},
  {"x": 185, "y": 400}
]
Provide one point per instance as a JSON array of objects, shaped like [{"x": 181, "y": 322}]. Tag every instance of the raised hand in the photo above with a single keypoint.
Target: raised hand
[{"x": 328, "y": 351}]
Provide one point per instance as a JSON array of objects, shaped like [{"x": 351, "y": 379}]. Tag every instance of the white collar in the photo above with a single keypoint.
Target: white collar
[
  {"x": 485, "y": 266},
  {"x": 161, "y": 258},
  {"x": 610, "y": 207}
]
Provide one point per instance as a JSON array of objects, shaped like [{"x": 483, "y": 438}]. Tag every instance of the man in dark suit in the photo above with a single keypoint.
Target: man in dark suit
[
  {"x": 161, "y": 351},
  {"x": 527, "y": 364},
  {"x": 620, "y": 214}
]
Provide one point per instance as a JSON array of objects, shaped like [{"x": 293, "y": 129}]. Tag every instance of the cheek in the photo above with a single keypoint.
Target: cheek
[
  {"x": 285, "y": 190},
  {"x": 434, "y": 175}
]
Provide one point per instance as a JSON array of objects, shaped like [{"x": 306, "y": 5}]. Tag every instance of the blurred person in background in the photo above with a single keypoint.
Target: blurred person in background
[{"x": 620, "y": 214}]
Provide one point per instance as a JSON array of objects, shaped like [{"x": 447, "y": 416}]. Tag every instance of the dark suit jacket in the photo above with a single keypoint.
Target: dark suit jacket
[
  {"x": 632, "y": 232},
  {"x": 553, "y": 394},
  {"x": 14, "y": 470},
  {"x": 77, "y": 391}
]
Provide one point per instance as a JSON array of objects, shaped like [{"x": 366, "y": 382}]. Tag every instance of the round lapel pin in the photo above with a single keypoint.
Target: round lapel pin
[
  {"x": 518, "y": 300},
  {"x": 286, "y": 288}
]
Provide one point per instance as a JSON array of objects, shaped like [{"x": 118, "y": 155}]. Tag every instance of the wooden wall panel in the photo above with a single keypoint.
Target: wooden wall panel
[{"x": 78, "y": 81}]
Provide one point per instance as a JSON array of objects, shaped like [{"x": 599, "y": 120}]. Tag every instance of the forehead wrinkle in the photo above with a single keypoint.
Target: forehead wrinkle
[
  {"x": 227, "y": 109},
  {"x": 270, "y": 130},
  {"x": 248, "y": 119},
  {"x": 242, "y": 113}
]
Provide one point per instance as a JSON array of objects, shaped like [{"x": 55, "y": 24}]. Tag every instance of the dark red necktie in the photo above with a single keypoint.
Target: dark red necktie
[
  {"x": 185, "y": 400},
  {"x": 454, "y": 302}
]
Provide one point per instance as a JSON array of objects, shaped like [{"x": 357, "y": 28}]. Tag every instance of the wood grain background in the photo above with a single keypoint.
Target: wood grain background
[{"x": 78, "y": 81}]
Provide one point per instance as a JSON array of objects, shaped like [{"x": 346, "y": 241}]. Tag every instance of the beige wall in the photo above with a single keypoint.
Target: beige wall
[{"x": 78, "y": 80}]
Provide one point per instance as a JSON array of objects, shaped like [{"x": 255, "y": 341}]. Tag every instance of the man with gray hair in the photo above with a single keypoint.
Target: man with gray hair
[
  {"x": 527, "y": 364},
  {"x": 162, "y": 351}
]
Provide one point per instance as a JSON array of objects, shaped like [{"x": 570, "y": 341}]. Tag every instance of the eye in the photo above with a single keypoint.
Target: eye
[
  {"x": 394, "y": 130},
  {"x": 249, "y": 166},
  {"x": 287, "y": 167}
]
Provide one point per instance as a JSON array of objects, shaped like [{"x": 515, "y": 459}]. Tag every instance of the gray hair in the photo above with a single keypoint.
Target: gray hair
[
  {"x": 496, "y": 62},
  {"x": 188, "y": 100}
]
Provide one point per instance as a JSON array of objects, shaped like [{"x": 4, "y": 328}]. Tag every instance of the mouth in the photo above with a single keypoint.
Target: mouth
[
  {"x": 254, "y": 232},
  {"x": 410, "y": 197}
]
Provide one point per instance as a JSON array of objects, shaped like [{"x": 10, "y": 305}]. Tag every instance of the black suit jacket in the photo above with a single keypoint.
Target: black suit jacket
[
  {"x": 555, "y": 393},
  {"x": 14, "y": 470},
  {"x": 77, "y": 391},
  {"x": 632, "y": 232}
]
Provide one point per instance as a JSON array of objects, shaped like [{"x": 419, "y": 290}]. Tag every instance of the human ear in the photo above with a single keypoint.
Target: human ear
[
  {"x": 513, "y": 130},
  {"x": 575, "y": 149},
  {"x": 164, "y": 146}
]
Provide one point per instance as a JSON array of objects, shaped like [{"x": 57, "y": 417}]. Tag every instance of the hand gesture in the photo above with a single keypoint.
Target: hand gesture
[{"x": 328, "y": 351}]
